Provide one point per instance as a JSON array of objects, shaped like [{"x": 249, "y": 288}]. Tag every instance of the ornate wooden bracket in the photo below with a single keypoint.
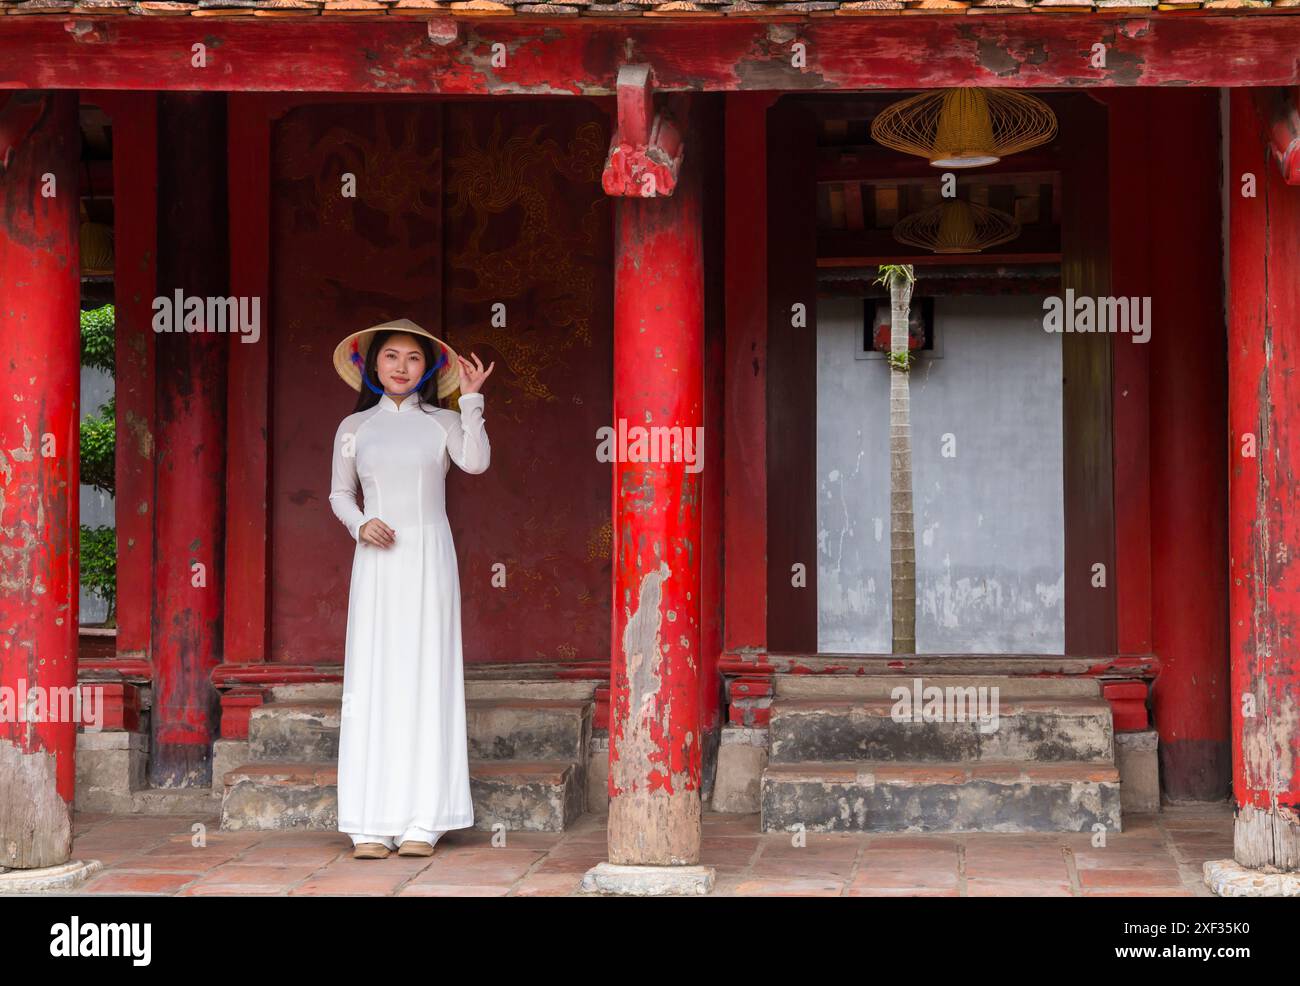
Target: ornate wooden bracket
[
  {"x": 1282, "y": 117},
  {"x": 20, "y": 113},
  {"x": 645, "y": 155}
]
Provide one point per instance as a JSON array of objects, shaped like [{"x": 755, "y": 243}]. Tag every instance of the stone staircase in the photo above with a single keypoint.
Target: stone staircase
[
  {"x": 528, "y": 750},
  {"x": 840, "y": 761}
]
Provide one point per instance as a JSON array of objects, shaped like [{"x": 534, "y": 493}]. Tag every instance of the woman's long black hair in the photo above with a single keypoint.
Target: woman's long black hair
[{"x": 426, "y": 396}]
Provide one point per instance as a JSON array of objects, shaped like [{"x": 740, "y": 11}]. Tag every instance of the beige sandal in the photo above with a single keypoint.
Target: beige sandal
[
  {"x": 413, "y": 848},
  {"x": 370, "y": 850}
]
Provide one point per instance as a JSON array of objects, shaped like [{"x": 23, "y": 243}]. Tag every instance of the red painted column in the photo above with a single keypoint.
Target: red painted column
[
  {"x": 191, "y": 447},
  {"x": 135, "y": 231},
  {"x": 712, "y": 577},
  {"x": 745, "y": 415},
  {"x": 1132, "y": 171},
  {"x": 1264, "y": 505},
  {"x": 654, "y": 729},
  {"x": 247, "y": 627},
  {"x": 40, "y": 378},
  {"x": 1188, "y": 392}
]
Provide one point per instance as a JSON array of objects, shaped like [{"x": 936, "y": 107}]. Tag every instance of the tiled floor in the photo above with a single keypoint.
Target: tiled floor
[{"x": 1156, "y": 855}]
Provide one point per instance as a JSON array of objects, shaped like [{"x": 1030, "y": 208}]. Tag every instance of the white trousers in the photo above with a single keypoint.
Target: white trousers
[{"x": 412, "y": 834}]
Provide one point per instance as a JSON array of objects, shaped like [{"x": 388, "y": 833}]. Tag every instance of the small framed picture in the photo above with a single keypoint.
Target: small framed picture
[{"x": 873, "y": 342}]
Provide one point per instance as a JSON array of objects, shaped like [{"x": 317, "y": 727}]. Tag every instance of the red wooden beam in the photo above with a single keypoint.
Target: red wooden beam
[
  {"x": 924, "y": 260},
  {"x": 1032, "y": 241},
  {"x": 39, "y": 384},
  {"x": 883, "y": 165},
  {"x": 580, "y": 56}
]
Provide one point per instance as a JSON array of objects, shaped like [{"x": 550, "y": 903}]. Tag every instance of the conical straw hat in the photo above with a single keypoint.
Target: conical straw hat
[{"x": 350, "y": 355}]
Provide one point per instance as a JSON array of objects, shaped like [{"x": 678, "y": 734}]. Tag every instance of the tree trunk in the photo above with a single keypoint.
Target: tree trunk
[{"x": 902, "y": 537}]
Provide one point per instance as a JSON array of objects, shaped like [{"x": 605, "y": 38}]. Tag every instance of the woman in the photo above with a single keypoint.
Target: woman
[{"x": 403, "y": 774}]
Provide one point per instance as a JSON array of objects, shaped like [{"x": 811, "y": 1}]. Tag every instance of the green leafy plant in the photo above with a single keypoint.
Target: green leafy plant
[
  {"x": 900, "y": 361},
  {"x": 98, "y": 456},
  {"x": 99, "y": 566},
  {"x": 98, "y": 448},
  {"x": 97, "y": 338},
  {"x": 890, "y": 271}
]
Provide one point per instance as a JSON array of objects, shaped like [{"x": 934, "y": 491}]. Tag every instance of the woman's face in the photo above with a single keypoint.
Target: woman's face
[{"x": 400, "y": 363}]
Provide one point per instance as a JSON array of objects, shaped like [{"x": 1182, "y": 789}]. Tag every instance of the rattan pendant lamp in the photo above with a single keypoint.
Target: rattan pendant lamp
[
  {"x": 956, "y": 226},
  {"x": 966, "y": 127},
  {"x": 96, "y": 240}
]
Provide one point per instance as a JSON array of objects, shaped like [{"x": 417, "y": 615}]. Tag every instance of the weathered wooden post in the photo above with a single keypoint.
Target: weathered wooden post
[
  {"x": 40, "y": 376},
  {"x": 654, "y": 731},
  {"x": 1264, "y": 512},
  {"x": 191, "y": 439}
]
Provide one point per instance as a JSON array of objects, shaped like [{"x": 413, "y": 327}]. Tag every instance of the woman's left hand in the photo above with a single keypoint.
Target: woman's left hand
[{"x": 472, "y": 375}]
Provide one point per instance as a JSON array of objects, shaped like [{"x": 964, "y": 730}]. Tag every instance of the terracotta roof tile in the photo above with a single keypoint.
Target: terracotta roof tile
[{"x": 868, "y": 7}]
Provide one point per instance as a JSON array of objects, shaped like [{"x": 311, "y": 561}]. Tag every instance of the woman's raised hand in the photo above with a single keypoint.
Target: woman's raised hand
[
  {"x": 378, "y": 533},
  {"x": 472, "y": 375}
]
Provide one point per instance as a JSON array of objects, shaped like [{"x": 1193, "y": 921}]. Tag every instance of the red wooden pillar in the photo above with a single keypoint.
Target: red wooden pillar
[
  {"x": 1264, "y": 499},
  {"x": 745, "y": 417},
  {"x": 247, "y": 626},
  {"x": 40, "y": 378},
  {"x": 1188, "y": 391},
  {"x": 191, "y": 447},
  {"x": 135, "y": 196},
  {"x": 654, "y": 729}
]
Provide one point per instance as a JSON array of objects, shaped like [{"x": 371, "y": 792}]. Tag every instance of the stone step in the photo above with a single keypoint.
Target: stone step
[
  {"x": 534, "y": 796},
  {"x": 1032, "y": 729},
  {"x": 930, "y": 797},
  {"x": 304, "y": 731},
  {"x": 883, "y": 685},
  {"x": 528, "y": 728},
  {"x": 503, "y": 688},
  {"x": 498, "y": 729}
]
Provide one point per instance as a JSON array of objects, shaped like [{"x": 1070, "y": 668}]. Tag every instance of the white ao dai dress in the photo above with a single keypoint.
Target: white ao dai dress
[{"x": 403, "y": 771}]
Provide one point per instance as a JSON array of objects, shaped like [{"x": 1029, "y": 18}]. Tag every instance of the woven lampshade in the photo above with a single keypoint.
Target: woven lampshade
[
  {"x": 966, "y": 127},
  {"x": 96, "y": 241},
  {"x": 956, "y": 226},
  {"x": 96, "y": 249}
]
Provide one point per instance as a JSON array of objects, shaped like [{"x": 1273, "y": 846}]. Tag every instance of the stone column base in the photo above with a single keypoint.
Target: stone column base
[
  {"x": 1228, "y": 878},
  {"x": 65, "y": 876},
  {"x": 1139, "y": 771},
  {"x": 598, "y": 774},
  {"x": 742, "y": 757},
  {"x": 648, "y": 881},
  {"x": 111, "y": 769}
]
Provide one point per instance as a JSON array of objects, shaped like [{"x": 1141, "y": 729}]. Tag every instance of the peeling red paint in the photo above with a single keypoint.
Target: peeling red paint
[
  {"x": 39, "y": 474},
  {"x": 564, "y": 56},
  {"x": 191, "y": 446},
  {"x": 654, "y": 748},
  {"x": 1263, "y": 323}
]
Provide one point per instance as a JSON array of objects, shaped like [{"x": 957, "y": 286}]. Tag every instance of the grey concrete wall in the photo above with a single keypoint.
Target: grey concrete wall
[
  {"x": 96, "y": 507},
  {"x": 853, "y": 610},
  {"x": 989, "y": 520}
]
